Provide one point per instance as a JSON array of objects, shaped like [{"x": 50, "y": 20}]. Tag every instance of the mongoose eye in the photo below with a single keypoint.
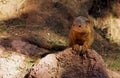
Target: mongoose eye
[
  {"x": 79, "y": 25},
  {"x": 73, "y": 25}
]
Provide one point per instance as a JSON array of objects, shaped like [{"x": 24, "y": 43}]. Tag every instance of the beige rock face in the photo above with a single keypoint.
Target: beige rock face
[{"x": 10, "y": 8}]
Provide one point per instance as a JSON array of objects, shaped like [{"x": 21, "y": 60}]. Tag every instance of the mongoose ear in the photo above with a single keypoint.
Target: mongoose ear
[
  {"x": 88, "y": 21},
  {"x": 73, "y": 24}
]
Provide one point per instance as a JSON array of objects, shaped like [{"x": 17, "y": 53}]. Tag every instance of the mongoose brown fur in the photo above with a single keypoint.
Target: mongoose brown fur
[{"x": 81, "y": 34}]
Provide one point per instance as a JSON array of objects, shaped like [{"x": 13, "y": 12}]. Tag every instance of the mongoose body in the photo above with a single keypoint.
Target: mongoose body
[{"x": 81, "y": 34}]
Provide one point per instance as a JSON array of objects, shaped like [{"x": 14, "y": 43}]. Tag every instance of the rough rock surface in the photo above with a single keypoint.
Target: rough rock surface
[
  {"x": 21, "y": 46},
  {"x": 113, "y": 74},
  {"x": 68, "y": 64},
  {"x": 12, "y": 65}
]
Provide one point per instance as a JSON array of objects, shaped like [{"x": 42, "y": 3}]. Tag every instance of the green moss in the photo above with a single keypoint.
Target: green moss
[
  {"x": 53, "y": 42},
  {"x": 30, "y": 61}
]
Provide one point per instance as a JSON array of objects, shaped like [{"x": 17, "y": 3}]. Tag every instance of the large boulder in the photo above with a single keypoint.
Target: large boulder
[{"x": 69, "y": 64}]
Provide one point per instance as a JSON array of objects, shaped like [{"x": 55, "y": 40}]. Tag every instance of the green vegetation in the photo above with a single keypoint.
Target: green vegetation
[
  {"x": 30, "y": 61},
  {"x": 113, "y": 61}
]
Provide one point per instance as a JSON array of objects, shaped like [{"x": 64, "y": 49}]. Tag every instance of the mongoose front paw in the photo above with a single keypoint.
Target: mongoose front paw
[{"x": 77, "y": 48}]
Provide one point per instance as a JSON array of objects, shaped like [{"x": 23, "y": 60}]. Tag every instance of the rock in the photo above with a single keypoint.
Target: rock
[
  {"x": 27, "y": 48},
  {"x": 2, "y": 49},
  {"x": 68, "y": 64},
  {"x": 113, "y": 74},
  {"x": 21, "y": 46},
  {"x": 12, "y": 65}
]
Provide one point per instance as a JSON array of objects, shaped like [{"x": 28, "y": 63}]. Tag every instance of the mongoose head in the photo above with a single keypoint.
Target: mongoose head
[{"x": 81, "y": 24}]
